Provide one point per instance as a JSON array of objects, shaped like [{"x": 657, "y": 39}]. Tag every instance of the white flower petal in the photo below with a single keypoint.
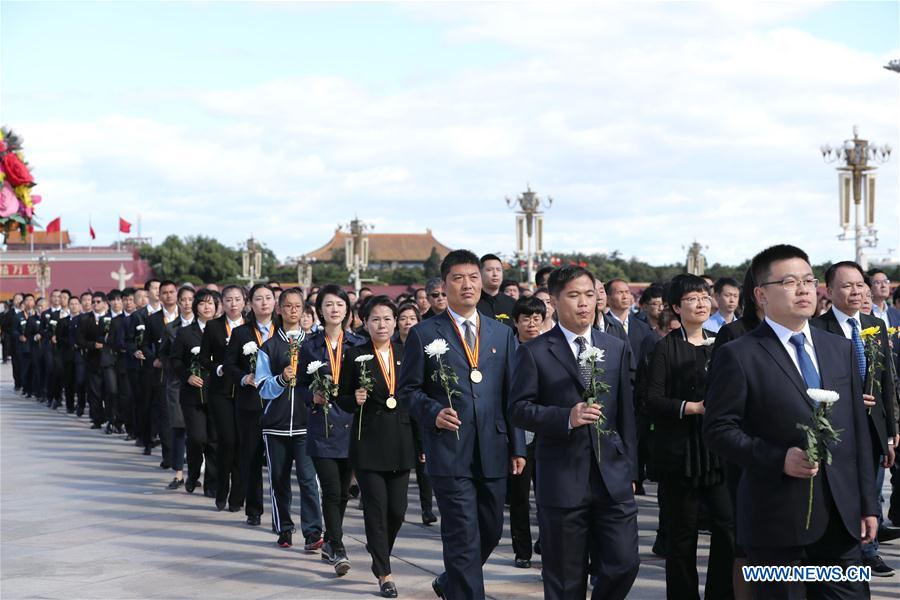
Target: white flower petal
[{"x": 364, "y": 358}]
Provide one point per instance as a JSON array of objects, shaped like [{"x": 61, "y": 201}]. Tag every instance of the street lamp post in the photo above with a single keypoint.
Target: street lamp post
[
  {"x": 251, "y": 262},
  {"x": 529, "y": 227},
  {"x": 856, "y": 181},
  {"x": 43, "y": 274},
  {"x": 356, "y": 251}
]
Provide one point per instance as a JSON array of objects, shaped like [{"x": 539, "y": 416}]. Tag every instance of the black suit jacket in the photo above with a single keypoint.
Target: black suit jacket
[
  {"x": 181, "y": 361},
  {"x": 387, "y": 439},
  {"x": 236, "y": 365},
  {"x": 546, "y": 385},
  {"x": 90, "y": 332},
  {"x": 881, "y": 416},
  {"x": 212, "y": 355},
  {"x": 754, "y": 401}
]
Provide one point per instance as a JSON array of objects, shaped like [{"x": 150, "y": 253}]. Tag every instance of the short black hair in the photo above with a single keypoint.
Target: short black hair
[
  {"x": 114, "y": 295},
  {"x": 651, "y": 292},
  {"x": 30, "y": 295},
  {"x": 166, "y": 283},
  {"x": 607, "y": 287},
  {"x": 151, "y": 281},
  {"x": 507, "y": 283},
  {"x": 541, "y": 274},
  {"x": 290, "y": 291},
  {"x": 685, "y": 283},
  {"x": 69, "y": 292},
  {"x": 560, "y": 277},
  {"x": 96, "y": 295},
  {"x": 333, "y": 290},
  {"x": 409, "y": 306},
  {"x": 239, "y": 288},
  {"x": 258, "y": 287},
  {"x": 373, "y": 301},
  {"x": 748, "y": 302},
  {"x": 721, "y": 282},
  {"x": 488, "y": 257},
  {"x": 201, "y": 295},
  {"x": 129, "y": 291},
  {"x": 185, "y": 289},
  {"x": 832, "y": 271},
  {"x": 527, "y": 306},
  {"x": 458, "y": 257},
  {"x": 81, "y": 296},
  {"x": 871, "y": 272},
  {"x": 762, "y": 262}
]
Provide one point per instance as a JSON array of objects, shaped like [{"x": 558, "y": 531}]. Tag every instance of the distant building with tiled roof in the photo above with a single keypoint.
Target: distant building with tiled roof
[
  {"x": 386, "y": 250},
  {"x": 42, "y": 240}
]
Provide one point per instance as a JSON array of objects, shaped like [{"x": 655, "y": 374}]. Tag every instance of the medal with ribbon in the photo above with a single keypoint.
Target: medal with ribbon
[
  {"x": 335, "y": 355},
  {"x": 259, "y": 340},
  {"x": 390, "y": 376},
  {"x": 471, "y": 353}
]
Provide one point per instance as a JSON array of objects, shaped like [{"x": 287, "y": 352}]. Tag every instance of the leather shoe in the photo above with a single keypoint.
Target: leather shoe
[
  {"x": 878, "y": 566},
  {"x": 220, "y": 506},
  {"x": 253, "y": 520},
  {"x": 190, "y": 485},
  {"x": 388, "y": 590},
  {"x": 175, "y": 484},
  {"x": 96, "y": 426},
  {"x": 148, "y": 451},
  {"x": 523, "y": 563},
  {"x": 886, "y": 533},
  {"x": 437, "y": 585},
  {"x": 428, "y": 517}
]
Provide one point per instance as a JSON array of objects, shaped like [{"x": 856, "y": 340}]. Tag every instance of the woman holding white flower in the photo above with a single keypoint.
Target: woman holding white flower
[
  {"x": 284, "y": 426},
  {"x": 689, "y": 473},
  {"x": 328, "y": 441},
  {"x": 194, "y": 397},
  {"x": 382, "y": 446}
]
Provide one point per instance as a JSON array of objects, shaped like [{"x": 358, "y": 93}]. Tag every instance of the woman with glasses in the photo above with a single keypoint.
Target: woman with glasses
[{"x": 688, "y": 473}]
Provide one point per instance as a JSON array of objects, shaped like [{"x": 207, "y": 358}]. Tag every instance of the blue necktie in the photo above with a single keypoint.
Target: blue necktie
[
  {"x": 807, "y": 369},
  {"x": 858, "y": 346}
]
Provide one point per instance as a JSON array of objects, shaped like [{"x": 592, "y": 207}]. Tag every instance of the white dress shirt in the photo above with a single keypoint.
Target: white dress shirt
[
  {"x": 459, "y": 320},
  {"x": 842, "y": 318},
  {"x": 571, "y": 336},
  {"x": 784, "y": 336}
]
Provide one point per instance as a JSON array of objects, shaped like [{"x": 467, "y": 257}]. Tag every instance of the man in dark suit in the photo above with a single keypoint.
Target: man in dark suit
[
  {"x": 92, "y": 334},
  {"x": 156, "y": 417},
  {"x": 493, "y": 302},
  {"x": 756, "y": 397},
  {"x": 846, "y": 286},
  {"x": 585, "y": 477},
  {"x": 470, "y": 447},
  {"x": 621, "y": 302}
]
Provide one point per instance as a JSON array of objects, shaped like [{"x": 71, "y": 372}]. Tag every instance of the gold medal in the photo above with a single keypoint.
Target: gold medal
[
  {"x": 475, "y": 376},
  {"x": 334, "y": 392},
  {"x": 391, "y": 402}
]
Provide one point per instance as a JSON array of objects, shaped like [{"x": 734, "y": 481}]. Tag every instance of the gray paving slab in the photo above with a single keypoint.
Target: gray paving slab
[{"x": 85, "y": 515}]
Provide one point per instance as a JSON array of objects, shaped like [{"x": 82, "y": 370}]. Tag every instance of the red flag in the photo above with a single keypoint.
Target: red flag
[
  {"x": 30, "y": 230},
  {"x": 91, "y": 228},
  {"x": 124, "y": 226},
  {"x": 54, "y": 225}
]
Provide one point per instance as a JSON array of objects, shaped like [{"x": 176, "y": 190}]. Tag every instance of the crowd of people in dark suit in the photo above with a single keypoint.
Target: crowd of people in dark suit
[{"x": 487, "y": 389}]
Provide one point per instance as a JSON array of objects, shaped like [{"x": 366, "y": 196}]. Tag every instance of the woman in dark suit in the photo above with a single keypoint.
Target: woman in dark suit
[
  {"x": 382, "y": 447},
  {"x": 688, "y": 473},
  {"x": 194, "y": 397}
]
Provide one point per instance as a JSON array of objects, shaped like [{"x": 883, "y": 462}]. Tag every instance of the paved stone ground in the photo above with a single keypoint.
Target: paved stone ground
[{"x": 85, "y": 515}]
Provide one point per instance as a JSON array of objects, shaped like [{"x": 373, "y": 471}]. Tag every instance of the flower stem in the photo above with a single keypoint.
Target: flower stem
[
  {"x": 359, "y": 437},
  {"x": 450, "y": 400},
  {"x": 809, "y": 505}
]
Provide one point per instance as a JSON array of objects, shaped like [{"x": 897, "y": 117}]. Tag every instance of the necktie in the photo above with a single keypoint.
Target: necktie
[
  {"x": 469, "y": 334},
  {"x": 584, "y": 368},
  {"x": 807, "y": 369},
  {"x": 858, "y": 346},
  {"x": 625, "y": 325}
]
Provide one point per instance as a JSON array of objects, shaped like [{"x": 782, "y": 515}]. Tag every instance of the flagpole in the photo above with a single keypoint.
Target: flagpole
[
  {"x": 59, "y": 233},
  {"x": 119, "y": 234},
  {"x": 90, "y": 233}
]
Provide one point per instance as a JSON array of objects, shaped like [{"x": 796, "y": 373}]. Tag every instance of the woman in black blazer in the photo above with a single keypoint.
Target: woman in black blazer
[
  {"x": 688, "y": 473},
  {"x": 194, "y": 397},
  {"x": 382, "y": 447}
]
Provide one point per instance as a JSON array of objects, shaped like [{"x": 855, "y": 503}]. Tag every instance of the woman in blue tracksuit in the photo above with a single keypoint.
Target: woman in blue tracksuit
[
  {"x": 330, "y": 447},
  {"x": 284, "y": 421}
]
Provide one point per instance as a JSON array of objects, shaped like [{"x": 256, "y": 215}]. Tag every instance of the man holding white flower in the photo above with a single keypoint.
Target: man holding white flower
[
  {"x": 761, "y": 388},
  {"x": 457, "y": 370},
  {"x": 572, "y": 388}
]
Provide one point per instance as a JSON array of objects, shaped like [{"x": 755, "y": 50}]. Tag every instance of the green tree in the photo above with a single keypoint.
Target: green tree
[{"x": 432, "y": 264}]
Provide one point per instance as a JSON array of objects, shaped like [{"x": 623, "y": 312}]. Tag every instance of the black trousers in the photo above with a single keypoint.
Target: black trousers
[
  {"x": 57, "y": 377},
  {"x": 135, "y": 384},
  {"x": 69, "y": 382},
  {"x": 102, "y": 394},
  {"x": 251, "y": 459},
  {"x": 200, "y": 444},
  {"x": 518, "y": 494},
  {"x": 38, "y": 371},
  {"x": 334, "y": 476},
  {"x": 682, "y": 508},
  {"x": 80, "y": 369},
  {"x": 835, "y": 547},
  {"x": 221, "y": 410},
  {"x": 424, "y": 483},
  {"x": 18, "y": 381},
  {"x": 384, "y": 495},
  {"x": 609, "y": 527},
  {"x": 125, "y": 406}
]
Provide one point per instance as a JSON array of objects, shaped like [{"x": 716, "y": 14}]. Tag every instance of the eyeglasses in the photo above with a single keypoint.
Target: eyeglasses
[
  {"x": 438, "y": 295},
  {"x": 693, "y": 300},
  {"x": 791, "y": 283}
]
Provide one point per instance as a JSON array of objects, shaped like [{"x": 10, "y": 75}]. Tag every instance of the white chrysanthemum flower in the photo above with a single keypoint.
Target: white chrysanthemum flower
[
  {"x": 140, "y": 328},
  {"x": 823, "y": 396},
  {"x": 53, "y": 322},
  {"x": 195, "y": 350},
  {"x": 438, "y": 347},
  {"x": 709, "y": 341},
  {"x": 249, "y": 348},
  {"x": 364, "y": 358},
  {"x": 314, "y": 366},
  {"x": 592, "y": 354}
]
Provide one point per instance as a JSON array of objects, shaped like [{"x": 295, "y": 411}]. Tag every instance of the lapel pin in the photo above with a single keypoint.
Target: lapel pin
[{"x": 493, "y": 351}]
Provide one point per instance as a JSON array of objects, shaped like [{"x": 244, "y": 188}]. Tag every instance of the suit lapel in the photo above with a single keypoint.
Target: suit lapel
[
  {"x": 824, "y": 357},
  {"x": 771, "y": 344},
  {"x": 448, "y": 332},
  {"x": 559, "y": 348}
]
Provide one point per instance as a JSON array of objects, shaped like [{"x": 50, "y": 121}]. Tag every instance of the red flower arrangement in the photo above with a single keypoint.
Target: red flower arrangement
[{"x": 16, "y": 181}]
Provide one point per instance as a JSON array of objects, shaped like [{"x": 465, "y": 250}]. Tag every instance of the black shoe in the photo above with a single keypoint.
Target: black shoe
[
  {"x": 232, "y": 508},
  {"x": 96, "y": 426},
  {"x": 428, "y": 517},
  {"x": 190, "y": 485},
  {"x": 148, "y": 451},
  {"x": 658, "y": 547},
  {"x": 285, "y": 539},
  {"x": 109, "y": 429},
  {"x": 120, "y": 429},
  {"x": 313, "y": 544},
  {"x": 175, "y": 484},
  {"x": 437, "y": 585},
  {"x": 165, "y": 465},
  {"x": 79, "y": 413},
  {"x": 341, "y": 563},
  {"x": 139, "y": 442},
  {"x": 537, "y": 546},
  {"x": 156, "y": 442},
  {"x": 130, "y": 438},
  {"x": 879, "y": 569},
  {"x": 886, "y": 533},
  {"x": 388, "y": 590},
  {"x": 253, "y": 520},
  {"x": 523, "y": 563},
  {"x": 354, "y": 491},
  {"x": 220, "y": 506}
]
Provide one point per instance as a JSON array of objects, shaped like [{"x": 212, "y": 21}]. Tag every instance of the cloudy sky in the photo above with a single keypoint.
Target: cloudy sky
[{"x": 650, "y": 124}]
